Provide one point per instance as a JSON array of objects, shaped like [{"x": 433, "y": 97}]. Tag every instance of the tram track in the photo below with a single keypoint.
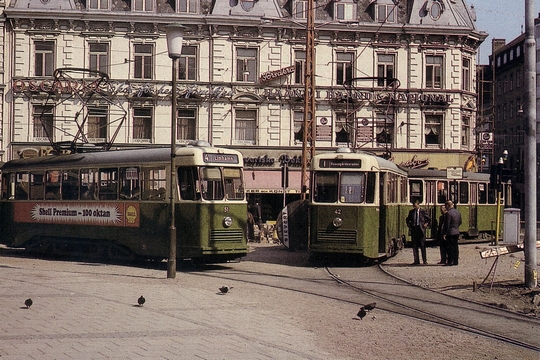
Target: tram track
[{"x": 456, "y": 313}]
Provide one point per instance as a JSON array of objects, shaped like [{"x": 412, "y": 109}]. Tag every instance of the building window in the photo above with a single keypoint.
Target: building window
[
  {"x": 246, "y": 65},
  {"x": 384, "y": 128},
  {"x": 43, "y": 122},
  {"x": 344, "y": 67},
  {"x": 143, "y": 61},
  {"x": 298, "y": 126},
  {"x": 386, "y": 13},
  {"x": 99, "y": 57},
  {"x": 342, "y": 129},
  {"x": 299, "y": 66},
  {"x": 97, "y": 123},
  {"x": 142, "y": 123},
  {"x": 300, "y": 9},
  {"x": 143, "y": 5},
  {"x": 245, "y": 125},
  {"x": 187, "y": 64},
  {"x": 344, "y": 10},
  {"x": 434, "y": 71},
  {"x": 466, "y": 131},
  {"x": 98, "y": 4},
  {"x": 187, "y": 6},
  {"x": 44, "y": 52},
  {"x": 433, "y": 129},
  {"x": 385, "y": 69},
  {"x": 466, "y": 75},
  {"x": 186, "y": 124}
]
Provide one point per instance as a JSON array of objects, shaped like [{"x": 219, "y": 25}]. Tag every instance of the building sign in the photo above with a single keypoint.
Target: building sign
[
  {"x": 78, "y": 213},
  {"x": 272, "y": 75},
  {"x": 134, "y": 89},
  {"x": 414, "y": 163},
  {"x": 364, "y": 131},
  {"x": 486, "y": 141},
  {"x": 265, "y": 160},
  {"x": 323, "y": 129}
]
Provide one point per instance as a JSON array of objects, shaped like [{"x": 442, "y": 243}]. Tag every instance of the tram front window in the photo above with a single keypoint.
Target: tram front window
[
  {"x": 211, "y": 183},
  {"x": 326, "y": 187},
  {"x": 352, "y": 187},
  {"x": 234, "y": 188}
]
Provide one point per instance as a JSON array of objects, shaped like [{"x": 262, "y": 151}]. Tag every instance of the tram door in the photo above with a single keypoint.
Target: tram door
[
  {"x": 473, "y": 209},
  {"x": 430, "y": 204}
]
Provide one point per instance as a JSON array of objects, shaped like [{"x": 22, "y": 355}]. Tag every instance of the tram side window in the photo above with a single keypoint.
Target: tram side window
[
  {"x": 454, "y": 192},
  {"x": 70, "y": 185},
  {"x": 391, "y": 188},
  {"x": 36, "y": 185},
  {"x": 352, "y": 187},
  {"x": 442, "y": 192},
  {"x": 108, "y": 184},
  {"x": 463, "y": 192},
  {"x": 21, "y": 188},
  {"x": 129, "y": 183},
  {"x": 482, "y": 193},
  {"x": 187, "y": 178},
  {"x": 371, "y": 187},
  {"x": 154, "y": 183},
  {"x": 88, "y": 184},
  {"x": 403, "y": 189},
  {"x": 492, "y": 195},
  {"x": 416, "y": 189},
  {"x": 52, "y": 185},
  {"x": 234, "y": 188},
  {"x": 326, "y": 189},
  {"x": 5, "y": 187},
  {"x": 211, "y": 184}
]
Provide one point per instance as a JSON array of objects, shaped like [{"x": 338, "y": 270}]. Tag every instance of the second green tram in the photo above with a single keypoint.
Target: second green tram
[{"x": 358, "y": 205}]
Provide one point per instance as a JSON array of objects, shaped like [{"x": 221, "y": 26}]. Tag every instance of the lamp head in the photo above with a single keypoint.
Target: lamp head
[{"x": 175, "y": 36}]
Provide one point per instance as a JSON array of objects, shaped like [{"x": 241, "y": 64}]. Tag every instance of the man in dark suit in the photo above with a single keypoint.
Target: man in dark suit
[
  {"x": 453, "y": 221},
  {"x": 417, "y": 221}
]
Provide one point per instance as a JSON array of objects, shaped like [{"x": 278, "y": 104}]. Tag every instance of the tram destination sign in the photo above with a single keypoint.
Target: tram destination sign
[
  {"x": 340, "y": 163},
  {"x": 220, "y": 158}
]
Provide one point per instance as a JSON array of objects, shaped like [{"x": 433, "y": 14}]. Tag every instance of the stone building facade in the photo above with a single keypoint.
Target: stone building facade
[{"x": 394, "y": 77}]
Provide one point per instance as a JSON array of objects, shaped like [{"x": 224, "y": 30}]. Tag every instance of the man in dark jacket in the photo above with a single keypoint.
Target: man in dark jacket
[
  {"x": 453, "y": 221},
  {"x": 417, "y": 221}
]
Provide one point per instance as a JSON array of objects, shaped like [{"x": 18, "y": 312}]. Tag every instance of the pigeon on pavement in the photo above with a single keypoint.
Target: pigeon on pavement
[
  {"x": 361, "y": 313},
  {"x": 370, "y": 306},
  {"x": 225, "y": 289},
  {"x": 28, "y": 303},
  {"x": 141, "y": 300}
]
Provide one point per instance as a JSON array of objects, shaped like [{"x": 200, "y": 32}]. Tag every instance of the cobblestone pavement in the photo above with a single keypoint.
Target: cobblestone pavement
[{"x": 89, "y": 311}]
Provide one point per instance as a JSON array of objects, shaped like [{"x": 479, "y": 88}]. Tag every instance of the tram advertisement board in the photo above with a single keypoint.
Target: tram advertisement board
[{"x": 80, "y": 213}]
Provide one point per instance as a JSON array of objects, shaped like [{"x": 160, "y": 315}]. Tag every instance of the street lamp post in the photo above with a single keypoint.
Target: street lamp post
[{"x": 175, "y": 36}]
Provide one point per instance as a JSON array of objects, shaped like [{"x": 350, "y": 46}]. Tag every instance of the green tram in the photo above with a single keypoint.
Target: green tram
[
  {"x": 471, "y": 193},
  {"x": 357, "y": 206},
  {"x": 116, "y": 204}
]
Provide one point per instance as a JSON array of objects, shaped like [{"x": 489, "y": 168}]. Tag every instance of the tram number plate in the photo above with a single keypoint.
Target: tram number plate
[
  {"x": 226, "y": 209},
  {"x": 337, "y": 212}
]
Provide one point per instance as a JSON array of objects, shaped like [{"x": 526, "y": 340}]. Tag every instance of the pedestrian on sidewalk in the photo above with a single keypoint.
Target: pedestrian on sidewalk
[
  {"x": 453, "y": 221},
  {"x": 417, "y": 222},
  {"x": 441, "y": 231}
]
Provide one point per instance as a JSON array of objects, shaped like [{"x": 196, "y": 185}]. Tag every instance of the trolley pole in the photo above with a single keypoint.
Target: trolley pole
[
  {"x": 175, "y": 36},
  {"x": 308, "y": 136},
  {"x": 529, "y": 243}
]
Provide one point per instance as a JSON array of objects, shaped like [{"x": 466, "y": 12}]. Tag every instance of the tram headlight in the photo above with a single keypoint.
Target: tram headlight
[
  {"x": 337, "y": 222},
  {"x": 227, "y": 221}
]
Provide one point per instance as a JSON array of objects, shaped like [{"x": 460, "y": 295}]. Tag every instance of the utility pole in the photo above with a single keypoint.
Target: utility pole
[
  {"x": 529, "y": 243},
  {"x": 308, "y": 136}
]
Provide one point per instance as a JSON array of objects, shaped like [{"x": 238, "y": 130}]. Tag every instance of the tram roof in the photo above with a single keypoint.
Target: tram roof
[
  {"x": 442, "y": 174},
  {"x": 369, "y": 161},
  {"x": 131, "y": 156}
]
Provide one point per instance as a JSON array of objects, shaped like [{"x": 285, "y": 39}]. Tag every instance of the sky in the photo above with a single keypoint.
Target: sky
[{"x": 501, "y": 19}]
